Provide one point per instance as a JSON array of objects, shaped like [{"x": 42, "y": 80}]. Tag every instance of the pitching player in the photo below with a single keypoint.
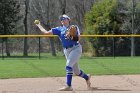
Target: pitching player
[{"x": 72, "y": 50}]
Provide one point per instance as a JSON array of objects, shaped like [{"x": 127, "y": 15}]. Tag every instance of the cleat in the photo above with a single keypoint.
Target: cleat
[
  {"x": 88, "y": 81},
  {"x": 66, "y": 88}
]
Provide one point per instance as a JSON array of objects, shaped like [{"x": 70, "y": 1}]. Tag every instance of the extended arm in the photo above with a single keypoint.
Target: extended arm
[{"x": 44, "y": 31}]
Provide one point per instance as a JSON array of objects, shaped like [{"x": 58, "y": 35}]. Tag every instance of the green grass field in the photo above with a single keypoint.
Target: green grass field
[{"x": 55, "y": 66}]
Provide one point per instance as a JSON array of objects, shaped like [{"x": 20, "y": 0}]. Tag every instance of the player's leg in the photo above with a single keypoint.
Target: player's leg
[
  {"x": 69, "y": 70},
  {"x": 69, "y": 73},
  {"x": 80, "y": 73},
  {"x": 75, "y": 55},
  {"x": 73, "y": 59},
  {"x": 72, "y": 56}
]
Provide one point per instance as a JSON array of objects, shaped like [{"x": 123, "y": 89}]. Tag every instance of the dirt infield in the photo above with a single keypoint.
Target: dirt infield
[{"x": 100, "y": 84}]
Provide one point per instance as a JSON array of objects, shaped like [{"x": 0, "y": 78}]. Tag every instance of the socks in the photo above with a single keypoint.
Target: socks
[
  {"x": 69, "y": 74},
  {"x": 83, "y": 75}
]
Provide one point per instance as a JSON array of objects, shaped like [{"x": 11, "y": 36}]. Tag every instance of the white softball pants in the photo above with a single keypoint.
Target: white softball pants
[{"x": 72, "y": 56}]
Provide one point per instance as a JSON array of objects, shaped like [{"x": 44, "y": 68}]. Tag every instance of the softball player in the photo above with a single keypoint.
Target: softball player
[{"x": 72, "y": 51}]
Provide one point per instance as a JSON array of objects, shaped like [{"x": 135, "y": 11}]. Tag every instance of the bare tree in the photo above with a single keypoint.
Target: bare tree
[
  {"x": 48, "y": 28},
  {"x": 48, "y": 11},
  {"x": 26, "y": 27},
  {"x": 41, "y": 11}
]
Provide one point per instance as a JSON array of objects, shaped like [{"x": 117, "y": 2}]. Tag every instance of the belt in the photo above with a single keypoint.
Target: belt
[{"x": 71, "y": 46}]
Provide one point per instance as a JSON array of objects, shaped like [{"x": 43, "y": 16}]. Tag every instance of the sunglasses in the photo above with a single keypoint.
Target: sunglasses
[{"x": 63, "y": 18}]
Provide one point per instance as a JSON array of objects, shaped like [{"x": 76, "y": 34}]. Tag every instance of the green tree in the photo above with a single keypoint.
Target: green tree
[
  {"x": 129, "y": 14},
  {"x": 8, "y": 18},
  {"x": 113, "y": 17},
  {"x": 137, "y": 26},
  {"x": 101, "y": 20}
]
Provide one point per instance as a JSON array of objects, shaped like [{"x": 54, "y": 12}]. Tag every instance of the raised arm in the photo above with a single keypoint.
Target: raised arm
[{"x": 42, "y": 29}]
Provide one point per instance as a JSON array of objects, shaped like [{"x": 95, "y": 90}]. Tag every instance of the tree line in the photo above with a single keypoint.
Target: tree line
[
  {"x": 104, "y": 17},
  {"x": 114, "y": 17}
]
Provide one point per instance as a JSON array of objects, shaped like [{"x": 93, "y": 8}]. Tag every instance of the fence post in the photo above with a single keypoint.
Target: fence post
[
  {"x": 39, "y": 47},
  {"x": 114, "y": 47},
  {"x": 2, "y": 50}
]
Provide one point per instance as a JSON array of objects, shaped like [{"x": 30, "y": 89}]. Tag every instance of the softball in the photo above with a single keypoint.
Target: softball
[{"x": 36, "y": 21}]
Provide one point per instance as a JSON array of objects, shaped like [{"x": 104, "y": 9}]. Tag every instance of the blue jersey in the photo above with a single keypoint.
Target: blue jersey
[{"x": 61, "y": 32}]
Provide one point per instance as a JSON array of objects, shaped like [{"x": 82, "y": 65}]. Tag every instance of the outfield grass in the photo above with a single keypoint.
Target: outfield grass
[{"x": 55, "y": 66}]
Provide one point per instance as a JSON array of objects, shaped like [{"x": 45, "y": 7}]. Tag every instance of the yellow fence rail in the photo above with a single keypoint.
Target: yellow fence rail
[
  {"x": 33, "y": 36},
  {"x": 47, "y": 36}
]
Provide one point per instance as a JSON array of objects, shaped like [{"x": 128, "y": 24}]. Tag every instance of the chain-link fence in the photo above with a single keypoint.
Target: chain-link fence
[{"x": 40, "y": 46}]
